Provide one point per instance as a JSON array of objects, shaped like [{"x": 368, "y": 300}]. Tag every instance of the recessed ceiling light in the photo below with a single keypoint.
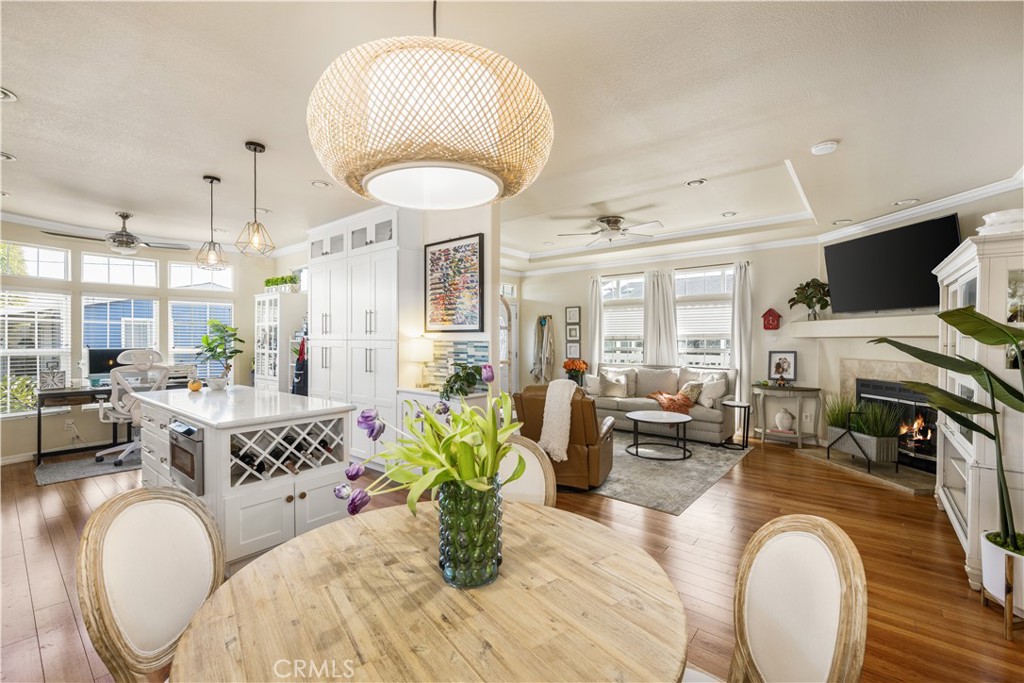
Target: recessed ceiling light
[
  {"x": 547, "y": 244},
  {"x": 697, "y": 182},
  {"x": 7, "y": 96},
  {"x": 842, "y": 221},
  {"x": 8, "y": 157},
  {"x": 4, "y": 194},
  {"x": 825, "y": 147},
  {"x": 728, "y": 214},
  {"x": 260, "y": 209},
  {"x": 905, "y": 202},
  {"x": 319, "y": 184}
]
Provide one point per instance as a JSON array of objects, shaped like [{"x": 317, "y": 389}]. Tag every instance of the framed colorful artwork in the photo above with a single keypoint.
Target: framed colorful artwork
[
  {"x": 453, "y": 287},
  {"x": 782, "y": 364}
]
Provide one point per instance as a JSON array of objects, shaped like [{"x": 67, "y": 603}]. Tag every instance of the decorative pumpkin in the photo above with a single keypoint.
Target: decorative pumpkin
[{"x": 195, "y": 384}]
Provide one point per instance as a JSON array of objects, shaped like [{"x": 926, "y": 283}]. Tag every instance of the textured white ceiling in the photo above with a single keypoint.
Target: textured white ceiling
[{"x": 127, "y": 105}]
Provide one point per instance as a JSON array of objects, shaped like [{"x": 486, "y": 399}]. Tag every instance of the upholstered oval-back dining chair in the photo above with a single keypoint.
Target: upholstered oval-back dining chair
[
  {"x": 148, "y": 559},
  {"x": 801, "y": 604},
  {"x": 537, "y": 485}
]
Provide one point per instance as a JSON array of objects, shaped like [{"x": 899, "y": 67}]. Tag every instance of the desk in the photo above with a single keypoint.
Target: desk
[
  {"x": 574, "y": 600},
  {"x": 800, "y": 394}
]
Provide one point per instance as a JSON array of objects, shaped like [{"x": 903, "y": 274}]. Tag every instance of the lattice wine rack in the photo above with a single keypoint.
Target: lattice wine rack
[{"x": 284, "y": 451}]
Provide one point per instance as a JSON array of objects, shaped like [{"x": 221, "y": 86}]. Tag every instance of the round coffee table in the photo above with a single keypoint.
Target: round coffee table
[{"x": 662, "y": 417}]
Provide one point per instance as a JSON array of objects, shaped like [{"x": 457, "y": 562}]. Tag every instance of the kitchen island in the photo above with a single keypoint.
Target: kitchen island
[{"x": 264, "y": 462}]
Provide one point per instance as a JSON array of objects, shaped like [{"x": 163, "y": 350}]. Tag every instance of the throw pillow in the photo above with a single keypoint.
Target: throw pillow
[
  {"x": 592, "y": 385},
  {"x": 612, "y": 387},
  {"x": 691, "y": 390},
  {"x": 672, "y": 402},
  {"x": 649, "y": 381},
  {"x": 711, "y": 392},
  {"x": 628, "y": 373}
]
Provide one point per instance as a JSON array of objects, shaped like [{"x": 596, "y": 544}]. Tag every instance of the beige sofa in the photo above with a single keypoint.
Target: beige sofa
[{"x": 710, "y": 425}]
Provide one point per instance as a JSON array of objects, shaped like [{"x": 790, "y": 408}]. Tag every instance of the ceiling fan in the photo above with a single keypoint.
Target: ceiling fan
[
  {"x": 122, "y": 241},
  {"x": 611, "y": 228}
]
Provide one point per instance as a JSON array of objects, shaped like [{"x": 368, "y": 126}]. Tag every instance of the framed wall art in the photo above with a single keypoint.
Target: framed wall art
[
  {"x": 572, "y": 315},
  {"x": 572, "y": 333},
  {"x": 782, "y": 364},
  {"x": 572, "y": 349},
  {"x": 453, "y": 287}
]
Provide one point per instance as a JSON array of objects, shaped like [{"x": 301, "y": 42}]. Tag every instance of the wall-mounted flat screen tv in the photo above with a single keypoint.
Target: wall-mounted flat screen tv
[{"x": 892, "y": 269}]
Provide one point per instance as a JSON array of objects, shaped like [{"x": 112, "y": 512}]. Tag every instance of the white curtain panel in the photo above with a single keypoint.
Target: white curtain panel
[
  {"x": 595, "y": 331},
  {"x": 742, "y": 319},
  {"x": 660, "y": 318}
]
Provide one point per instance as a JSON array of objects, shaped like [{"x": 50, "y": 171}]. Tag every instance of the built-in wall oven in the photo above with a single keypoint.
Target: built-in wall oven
[{"x": 186, "y": 455}]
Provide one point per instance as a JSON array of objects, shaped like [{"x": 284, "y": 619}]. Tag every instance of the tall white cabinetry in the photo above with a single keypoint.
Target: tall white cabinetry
[
  {"x": 365, "y": 287},
  {"x": 978, "y": 273},
  {"x": 278, "y": 317}
]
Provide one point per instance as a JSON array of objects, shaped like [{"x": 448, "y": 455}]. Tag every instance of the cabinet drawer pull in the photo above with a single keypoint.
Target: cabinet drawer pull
[
  {"x": 147, "y": 450},
  {"x": 162, "y": 426},
  {"x": 290, "y": 498},
  {"x": 302, "y": 496},
  {"x": 148, "y": 419},
  {"x": 163, "y": 461}
]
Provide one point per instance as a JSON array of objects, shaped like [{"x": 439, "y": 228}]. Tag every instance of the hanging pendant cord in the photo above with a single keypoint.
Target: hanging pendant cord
[
  {"x": 254, "y": 186},
  {"x": 435, "y": 18},
  {"x": 211, "y": 212}
]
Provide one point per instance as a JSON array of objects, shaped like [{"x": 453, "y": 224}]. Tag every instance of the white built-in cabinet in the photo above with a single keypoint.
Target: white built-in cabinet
[
  {"x": 278, "y": 316},
  {"x": 366, "y": 284},
  {"x": 977, "y": 274}
]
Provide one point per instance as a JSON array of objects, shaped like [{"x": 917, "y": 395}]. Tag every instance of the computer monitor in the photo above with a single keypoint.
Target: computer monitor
[{"x": 102, "y": 361}]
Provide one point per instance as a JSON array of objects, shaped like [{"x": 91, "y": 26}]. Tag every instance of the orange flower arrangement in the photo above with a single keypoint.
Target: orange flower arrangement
[{"x": 575, "y": 367}]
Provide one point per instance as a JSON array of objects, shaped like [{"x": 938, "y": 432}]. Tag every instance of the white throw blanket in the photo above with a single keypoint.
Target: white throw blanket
[{"x": 554, "y": 433}]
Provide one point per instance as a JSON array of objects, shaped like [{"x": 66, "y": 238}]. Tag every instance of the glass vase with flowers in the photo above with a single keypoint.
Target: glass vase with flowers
[
  {"x": 575, "y": 369},
  {"x": 456, "y": 455}
]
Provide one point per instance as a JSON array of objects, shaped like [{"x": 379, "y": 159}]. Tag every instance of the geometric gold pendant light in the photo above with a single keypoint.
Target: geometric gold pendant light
[
  {"x": 254, "y": 238},
  {"x": 211, "y": 254},
  {"x": 429, "y": 123}
]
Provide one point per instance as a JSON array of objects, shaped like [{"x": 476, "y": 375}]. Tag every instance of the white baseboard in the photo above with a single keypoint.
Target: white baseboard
[{"x": 12, "y": 458}]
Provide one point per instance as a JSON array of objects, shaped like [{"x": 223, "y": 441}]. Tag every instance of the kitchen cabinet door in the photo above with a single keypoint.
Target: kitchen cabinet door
[{"x": 259, "y": 519}]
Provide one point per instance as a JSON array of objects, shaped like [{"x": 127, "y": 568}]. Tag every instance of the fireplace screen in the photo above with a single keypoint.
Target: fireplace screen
[{"x": 919, "y": 424}]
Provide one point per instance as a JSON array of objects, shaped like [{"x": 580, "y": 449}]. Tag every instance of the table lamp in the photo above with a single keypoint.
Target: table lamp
[{"x": 420, "y": 350}]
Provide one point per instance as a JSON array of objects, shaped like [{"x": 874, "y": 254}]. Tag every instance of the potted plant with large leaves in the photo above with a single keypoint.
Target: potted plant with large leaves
[
  {"x": 1006, "y": 542},
  {"x": 220, "y": 345},
  {"x": 813, "y": 294}
]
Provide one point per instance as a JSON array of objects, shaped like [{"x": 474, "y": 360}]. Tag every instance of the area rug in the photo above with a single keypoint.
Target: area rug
[
  {"x": 669, "y": 486},
  {"x": 83, "y": 468}
]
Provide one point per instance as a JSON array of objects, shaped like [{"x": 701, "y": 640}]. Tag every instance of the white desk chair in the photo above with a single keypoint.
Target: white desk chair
[
  {"x": 142, "y": 365},
  {"x": 537, "y": 485},
  {"x": 148, "y": 559}
]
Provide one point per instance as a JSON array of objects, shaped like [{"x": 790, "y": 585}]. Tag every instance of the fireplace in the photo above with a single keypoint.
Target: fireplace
[{"x": 917, "y": 445}]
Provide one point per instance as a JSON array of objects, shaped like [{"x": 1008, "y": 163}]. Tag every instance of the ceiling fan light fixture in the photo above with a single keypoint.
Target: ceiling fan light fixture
[
  {"x": 429, "y": 123},
  {"x": 123, "y": 242},
  {"x": 254, "y": 238},
  {"x": 211, "y": 254}
]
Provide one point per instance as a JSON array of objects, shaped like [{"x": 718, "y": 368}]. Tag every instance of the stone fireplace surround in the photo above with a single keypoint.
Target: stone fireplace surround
[{"x": 891, "y": 371}]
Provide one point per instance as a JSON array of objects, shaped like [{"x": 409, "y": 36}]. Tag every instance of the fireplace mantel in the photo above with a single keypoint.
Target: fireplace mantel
[{"x": 920, "y": 325}]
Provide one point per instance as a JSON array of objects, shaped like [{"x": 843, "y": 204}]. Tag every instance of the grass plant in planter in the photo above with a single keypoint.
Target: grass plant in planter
[
  {"x": 1003, "y": 548},
  {"x": 868, "y": 429}
]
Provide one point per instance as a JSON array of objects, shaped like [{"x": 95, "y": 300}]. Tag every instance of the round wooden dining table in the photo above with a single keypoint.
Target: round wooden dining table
[{"x": 363, "y": 599}]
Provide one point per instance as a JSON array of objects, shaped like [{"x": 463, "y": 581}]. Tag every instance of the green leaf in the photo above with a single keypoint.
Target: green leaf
[
  {"x": 1003, "y": 392},
  {"x": 421, "y": 485},
  {"x": 982, "y": 328},
  {"x": 961, "y": 365},
  {"x": 944, "y": 400},
  {"x": 518, "y": 471},
  {"x": 467, "y": 461},
  {"x": 967, "y": 423}
]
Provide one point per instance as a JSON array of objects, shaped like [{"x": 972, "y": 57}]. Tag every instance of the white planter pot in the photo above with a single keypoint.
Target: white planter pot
[
  {"x": 878, "y": 449},
  {"x": 217, "y": 383},
  {"x": 993, "y": 573}
]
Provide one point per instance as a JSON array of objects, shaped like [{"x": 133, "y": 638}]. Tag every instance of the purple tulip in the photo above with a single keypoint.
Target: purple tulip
[
  {"x": 418, "y": 415},
  {"x": 440, "y": 408},
  {"x": 375, "y": 432},
  {"x": 367, "y": 419},
  {"x": 488, "y": 372},
  {"x": 354, "y": 471},
  {"x": 342, "y": 491},
  {"x": 360, "y": 499}
]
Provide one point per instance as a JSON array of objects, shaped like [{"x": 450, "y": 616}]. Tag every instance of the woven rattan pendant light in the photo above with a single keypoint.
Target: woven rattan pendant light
[
  {"x": 254, "y": 238},
  {"x": 211, "y": 255},
  {"x": 429, "y": 123}
]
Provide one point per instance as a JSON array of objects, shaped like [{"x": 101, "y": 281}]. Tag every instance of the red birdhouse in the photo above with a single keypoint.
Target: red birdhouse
[{"x": 771, "y": 319}]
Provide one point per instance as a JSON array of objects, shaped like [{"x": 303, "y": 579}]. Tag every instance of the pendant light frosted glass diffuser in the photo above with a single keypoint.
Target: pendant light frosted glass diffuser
[
  {"x": 429, "y": 123},
  {"x": 254, "y": 238},
  {"x": 211, "y": 254}
]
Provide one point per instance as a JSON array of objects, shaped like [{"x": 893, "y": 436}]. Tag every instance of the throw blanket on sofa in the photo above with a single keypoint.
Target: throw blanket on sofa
[
  {"x": 676, "y": 403},
  {"x": 554, "y": 432}
]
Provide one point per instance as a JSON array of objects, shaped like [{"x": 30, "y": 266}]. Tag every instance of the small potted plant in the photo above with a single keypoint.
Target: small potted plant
[
  {"x": 870, "y": 429},
  {"x": 219, "y": 345},
  {"x": 575, "y": 369},
  {"x": 462, "y": 381},
  {"x": 288, "y": 284},
  {"x": 813, "y": 294}
]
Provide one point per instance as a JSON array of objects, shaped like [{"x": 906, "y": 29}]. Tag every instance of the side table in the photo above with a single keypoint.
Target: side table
[{"x": 745, "y": 407}]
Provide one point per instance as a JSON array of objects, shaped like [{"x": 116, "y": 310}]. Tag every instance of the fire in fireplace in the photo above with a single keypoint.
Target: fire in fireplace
[{"x": 917, "y": 442}]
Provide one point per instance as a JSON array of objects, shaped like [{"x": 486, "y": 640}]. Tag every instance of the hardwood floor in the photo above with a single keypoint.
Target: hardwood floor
[{"x": 924, "y": 623}]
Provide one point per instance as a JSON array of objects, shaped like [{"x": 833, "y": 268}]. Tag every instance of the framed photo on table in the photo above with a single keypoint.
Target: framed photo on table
[
  {"x": 453, "y": 287},
  {"x": 782, "y": 364},
  {"x": 572, "y": 315},
  {"x": 572, "y": 333},
  {"x": 572, "y": 349}
]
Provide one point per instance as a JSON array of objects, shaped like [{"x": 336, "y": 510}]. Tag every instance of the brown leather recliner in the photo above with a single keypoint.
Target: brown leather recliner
[{"x": 590, "y": 441}]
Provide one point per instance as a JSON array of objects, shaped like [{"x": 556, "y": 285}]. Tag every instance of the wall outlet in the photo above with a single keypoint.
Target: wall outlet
[
  {"x": 69, "y": 424},
  {"x": 807, "y": 417}
]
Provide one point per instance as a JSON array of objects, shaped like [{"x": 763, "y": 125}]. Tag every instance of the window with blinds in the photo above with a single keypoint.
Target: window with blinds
[
  {"x": 119, "y": 323},
  {"x": 623, "y": 319},
  {"x": 35, "y": 335},
  {"x": 188, "y": 323},
  {"x": 704, "y": 316}
]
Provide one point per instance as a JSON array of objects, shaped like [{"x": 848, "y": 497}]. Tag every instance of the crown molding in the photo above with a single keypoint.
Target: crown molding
[
  {"x": 506, "y": 272},
  {"x": 515, "y": 253},
  {"x": 1015, "y": 182}
]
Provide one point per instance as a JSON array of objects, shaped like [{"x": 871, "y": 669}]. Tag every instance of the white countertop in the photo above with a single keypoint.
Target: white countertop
[
  {"x": 240, "y": 406},
  {"x": 426, "y": 391}
]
